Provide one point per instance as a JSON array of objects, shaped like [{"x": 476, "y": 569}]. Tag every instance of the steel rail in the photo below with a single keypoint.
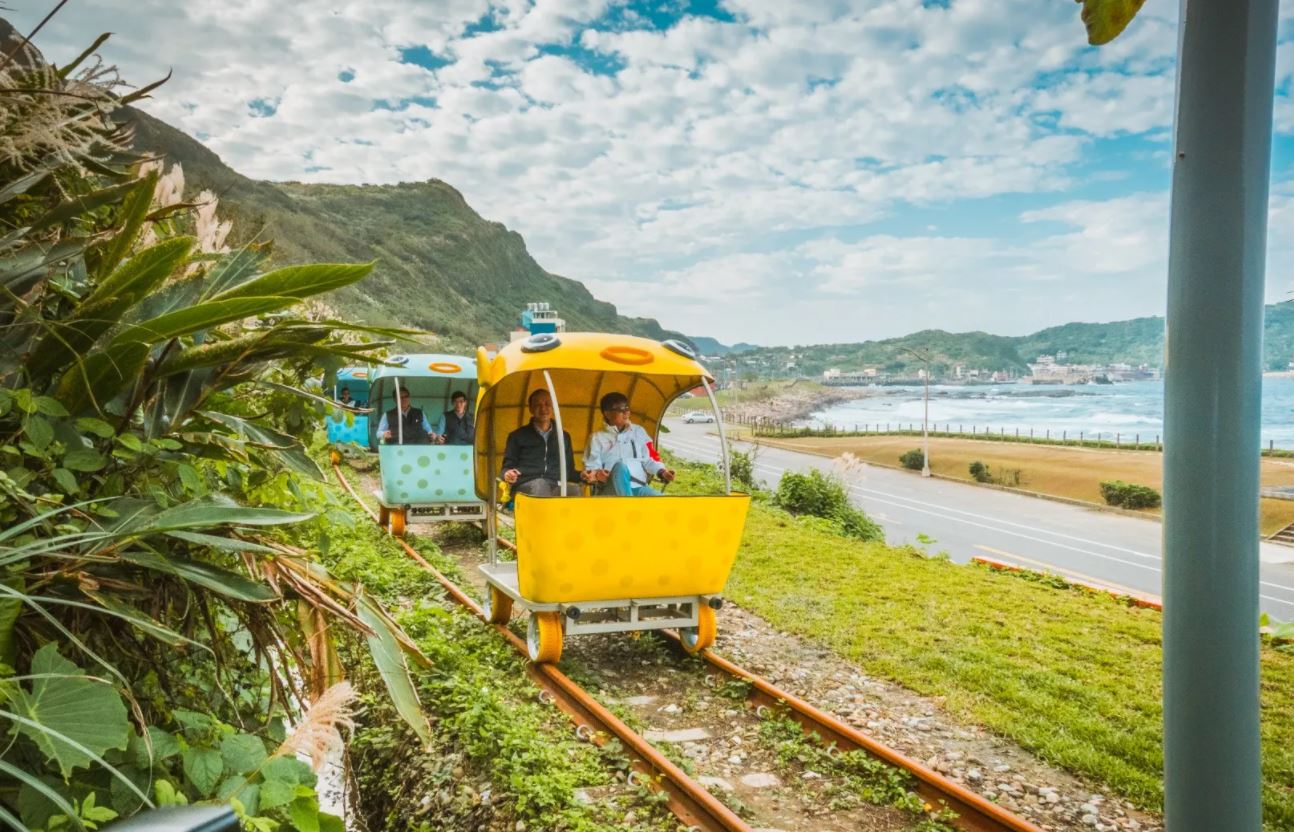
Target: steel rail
[
  {"x": 974, "y": 812},
  {"x": 690, "y": 801}
]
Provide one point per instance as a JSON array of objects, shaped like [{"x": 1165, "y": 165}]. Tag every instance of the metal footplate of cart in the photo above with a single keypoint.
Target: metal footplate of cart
[{"x": 691, "y": 615}]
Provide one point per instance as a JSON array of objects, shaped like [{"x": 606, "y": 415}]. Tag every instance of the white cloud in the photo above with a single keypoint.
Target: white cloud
[{"x": 670, "y": 167}]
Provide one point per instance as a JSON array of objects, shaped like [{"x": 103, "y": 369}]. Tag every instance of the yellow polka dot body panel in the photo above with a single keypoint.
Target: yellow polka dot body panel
[{"x": 602, "y": 548}]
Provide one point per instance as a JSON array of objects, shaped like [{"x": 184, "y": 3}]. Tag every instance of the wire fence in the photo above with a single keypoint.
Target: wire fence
[{"x": 1115, "y": 440}]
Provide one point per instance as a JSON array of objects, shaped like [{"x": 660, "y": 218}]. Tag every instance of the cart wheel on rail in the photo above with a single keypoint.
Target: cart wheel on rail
[
  {"x": 698, "y": 638},
  {"x": 544, "y": 637},
  {"x": 383, "y": 516},
  {"x": 334, "y": 457},
  {"x": 498, "y": 606},
  {"x": 398, "y": 522}
]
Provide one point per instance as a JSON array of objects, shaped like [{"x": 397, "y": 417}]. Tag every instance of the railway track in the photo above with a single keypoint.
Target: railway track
[{"x": 688, "y": 800}]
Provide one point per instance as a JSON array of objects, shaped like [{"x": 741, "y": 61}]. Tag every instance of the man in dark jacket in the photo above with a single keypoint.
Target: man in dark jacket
[
  {"x": 456, "y": 426},
  {"x": 407, "y": 425},
  {"x": 530, "y": 459}
]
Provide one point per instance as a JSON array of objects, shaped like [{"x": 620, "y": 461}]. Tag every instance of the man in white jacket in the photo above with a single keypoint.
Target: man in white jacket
[{"x": 619, "y": 456}]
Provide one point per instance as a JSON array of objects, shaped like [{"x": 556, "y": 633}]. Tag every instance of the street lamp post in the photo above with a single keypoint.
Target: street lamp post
[{"x": 925, "y": 416}]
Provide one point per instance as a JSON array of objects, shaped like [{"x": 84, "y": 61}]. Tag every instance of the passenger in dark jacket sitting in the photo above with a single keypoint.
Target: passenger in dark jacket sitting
[
  {"x": 530, "y": 460},
  {"x": 456, "y": 426}
]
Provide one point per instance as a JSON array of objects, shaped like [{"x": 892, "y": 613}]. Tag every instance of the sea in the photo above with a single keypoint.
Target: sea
[{"x": 1126, "y": 410}]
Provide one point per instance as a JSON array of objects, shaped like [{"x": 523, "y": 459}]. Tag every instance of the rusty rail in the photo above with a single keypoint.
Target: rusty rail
[{"x": 688, "y": 800}]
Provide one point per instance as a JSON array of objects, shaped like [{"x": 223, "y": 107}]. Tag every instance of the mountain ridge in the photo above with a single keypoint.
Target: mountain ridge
[
  {"x": 1134, "y": 341},
  {"x": 441, "y": 266}
]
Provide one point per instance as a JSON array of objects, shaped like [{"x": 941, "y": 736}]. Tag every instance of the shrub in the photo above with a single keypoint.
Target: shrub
[
  {"x": 821, "y": 495},
  {"x": 743, "y": 467},
  {"x": 979, "y": 472},
  {"x": 1129, "y": 495},
  {"x": 914, "y": 460}
]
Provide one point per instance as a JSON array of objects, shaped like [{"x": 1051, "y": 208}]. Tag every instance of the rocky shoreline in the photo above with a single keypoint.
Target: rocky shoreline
[{"x": 787, "y": 403}]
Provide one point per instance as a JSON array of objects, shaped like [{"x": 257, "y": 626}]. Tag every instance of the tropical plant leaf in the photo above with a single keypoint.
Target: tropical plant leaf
[
  {"x": 81, "y": 205},
  {"x": 203, "y": 767},
  {"x": 1106, "y": 19},
  {"x": 104, "y": 307},
  {"x": 133, "y": 213},
  {"x": 251, "y": 431},
  {"x": 392, "y": 667},
  {"x": 98, "y": 377},
  {"x": 82, "y": 709},
  {"x": 203, "y": 316},
  {"x": 242, "y": 753},
  {"x": 222, "y": 581},
  {"x": 210, "y": 512},
  {"x": 235, "y": 269},
  {"x": 84, "y": 459},
  {"x": 300, "y": 281}
]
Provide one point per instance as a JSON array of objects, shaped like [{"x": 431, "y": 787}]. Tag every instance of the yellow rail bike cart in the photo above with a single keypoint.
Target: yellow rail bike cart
[{"x": 601, "y": 564}]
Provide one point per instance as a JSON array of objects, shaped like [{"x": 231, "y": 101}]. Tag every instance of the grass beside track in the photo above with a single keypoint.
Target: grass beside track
[
  {"x": 1056, "y": 470},
  {"x": 489, "y": 731},
  {"x": 1074, "y": 677}
]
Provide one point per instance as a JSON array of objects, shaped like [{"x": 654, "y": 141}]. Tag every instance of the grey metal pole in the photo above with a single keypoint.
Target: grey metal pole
[
  {"x": 925, "y": 421},
  {"x": 1225, "y": 76}
]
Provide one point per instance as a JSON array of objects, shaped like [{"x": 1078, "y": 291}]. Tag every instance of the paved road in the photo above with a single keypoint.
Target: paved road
[{"x": 965, "y": 521}]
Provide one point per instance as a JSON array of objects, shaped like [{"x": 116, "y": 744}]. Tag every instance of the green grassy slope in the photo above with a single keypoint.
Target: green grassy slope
[{"x": 441, "y": 266}]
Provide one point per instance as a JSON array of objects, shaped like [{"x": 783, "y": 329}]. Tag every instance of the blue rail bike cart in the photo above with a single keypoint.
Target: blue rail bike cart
[
  {"x": 422, "y": 482},
  {"x": 348, "y": 425}
]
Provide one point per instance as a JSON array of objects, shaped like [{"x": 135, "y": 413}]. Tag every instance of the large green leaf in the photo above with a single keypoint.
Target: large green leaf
[
  {"x": 242, "y": 753},
  {"x": 203, "y": 767},
  {"x": 202, "y": 316},
  {"x": 246, "y": 349},
  {"x": 133, "y": 213},
  {"x": 300, "y": 281},
  {"x": 82, "y": 205},
  {"x": 222, "y": 581},
  {"x": 104, "y": 308},
  {"x": 210, "y": 512},
  {"x": 97, "y": 378},
  {"x": 235, "y": 269},
  {"x": 392, "y": 667},
  {"x": 88, "y": 711},
  {"x": 251, "y": 431}
]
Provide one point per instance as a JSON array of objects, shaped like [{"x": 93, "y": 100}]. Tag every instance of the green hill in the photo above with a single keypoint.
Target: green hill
[
  {"x": 441, "y": 266},
  {"x": 1136, "y": 342}
]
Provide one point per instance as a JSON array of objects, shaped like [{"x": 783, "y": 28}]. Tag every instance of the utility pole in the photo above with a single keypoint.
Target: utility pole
[
  {"x": 1212, "y": 414},
  {"x": 925, "y": 417}
]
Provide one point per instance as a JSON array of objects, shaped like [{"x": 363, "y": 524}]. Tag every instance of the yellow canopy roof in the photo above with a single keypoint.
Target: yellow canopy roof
[{"x": 584, "y": 367}]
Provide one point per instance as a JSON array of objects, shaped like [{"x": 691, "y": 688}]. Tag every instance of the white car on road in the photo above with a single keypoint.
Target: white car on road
[{"x": 698, "y": 416}]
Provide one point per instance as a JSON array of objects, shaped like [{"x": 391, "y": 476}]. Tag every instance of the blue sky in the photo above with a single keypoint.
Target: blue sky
[{"x": 748, "y": 169}]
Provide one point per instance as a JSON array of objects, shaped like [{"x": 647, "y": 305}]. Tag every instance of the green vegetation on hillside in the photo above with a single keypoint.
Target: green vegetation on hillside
[
  {"x": 440, "y": 266},
  {"x": 1135, "y": 342}
]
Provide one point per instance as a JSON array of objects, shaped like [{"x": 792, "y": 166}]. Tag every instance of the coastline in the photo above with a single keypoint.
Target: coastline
[{"x": 786, "y": 402}]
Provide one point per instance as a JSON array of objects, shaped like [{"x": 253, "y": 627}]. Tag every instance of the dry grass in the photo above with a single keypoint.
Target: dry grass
[{"x": 1059, "y": 471}]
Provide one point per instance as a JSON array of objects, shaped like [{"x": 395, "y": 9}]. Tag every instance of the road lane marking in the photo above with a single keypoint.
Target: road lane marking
[{"x": 1066, "y": 573}]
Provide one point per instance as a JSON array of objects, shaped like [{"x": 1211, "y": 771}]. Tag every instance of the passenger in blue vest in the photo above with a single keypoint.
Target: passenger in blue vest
[
  {"x": 414, "y": 430},
  {"x": 457, "y": 426},
  {"x": 619, "y": 456},
  {"x": 531, "y": 464}
]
